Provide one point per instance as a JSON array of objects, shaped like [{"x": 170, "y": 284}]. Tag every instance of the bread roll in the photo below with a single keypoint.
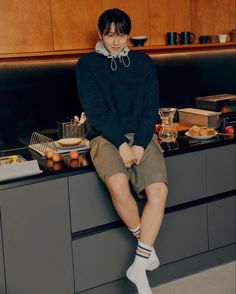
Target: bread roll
[
  {"x": 211, "y": 132},
  {"x": 203, "y": 131},
  {"x": 194, "y": 131}
]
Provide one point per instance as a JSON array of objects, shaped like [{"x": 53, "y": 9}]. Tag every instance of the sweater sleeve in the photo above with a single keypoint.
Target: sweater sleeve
[
  {"x": 95, "y": 107},
  {"x": 149, "y": 116}
]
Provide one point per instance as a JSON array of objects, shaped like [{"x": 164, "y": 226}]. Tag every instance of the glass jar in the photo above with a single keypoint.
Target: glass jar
[{"x": 168, "y": 132}]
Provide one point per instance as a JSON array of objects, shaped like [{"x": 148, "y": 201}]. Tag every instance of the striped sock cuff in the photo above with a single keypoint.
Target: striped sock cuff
[
  {"x": 143, "y": 250},
  {"x": 136, "y": 231}
]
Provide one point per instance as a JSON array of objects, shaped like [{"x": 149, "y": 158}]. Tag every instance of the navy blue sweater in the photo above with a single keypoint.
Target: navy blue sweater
[{"x": 119, "y": 102}]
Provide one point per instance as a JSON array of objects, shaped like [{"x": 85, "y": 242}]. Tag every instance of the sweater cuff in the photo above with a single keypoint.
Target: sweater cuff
[{"x": 119, "y": 141}]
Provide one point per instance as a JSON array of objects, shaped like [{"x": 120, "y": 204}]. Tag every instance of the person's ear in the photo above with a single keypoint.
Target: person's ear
[{"x": 99, "y": 34}]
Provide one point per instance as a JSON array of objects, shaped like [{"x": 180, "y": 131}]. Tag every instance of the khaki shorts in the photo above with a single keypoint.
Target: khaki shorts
[{"x": 107, "y": 161}]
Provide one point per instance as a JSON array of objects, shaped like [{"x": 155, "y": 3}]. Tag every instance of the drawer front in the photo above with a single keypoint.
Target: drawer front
[
  {"x": 90, "y": 202},
  {"x": 183, "y": 233},
  {"x": 221, "y": 219},
  {"x": 102, "y": 258},
  {"x": 186, "y": 177},
  {"x": 220, "y": 168}
]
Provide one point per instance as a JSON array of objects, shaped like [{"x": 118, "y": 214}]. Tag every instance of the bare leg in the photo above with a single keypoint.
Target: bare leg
[
  {"x": 123, "y": 201},
  {"x": 153, "y": 212}
]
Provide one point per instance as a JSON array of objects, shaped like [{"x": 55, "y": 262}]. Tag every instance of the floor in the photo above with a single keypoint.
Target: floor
[{"x": 217, "y": 280}]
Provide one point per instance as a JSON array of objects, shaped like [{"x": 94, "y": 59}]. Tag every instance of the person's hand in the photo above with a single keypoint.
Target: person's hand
[
  {"x": 127, "y": 155},
  {"x": 138, "y": 153}
]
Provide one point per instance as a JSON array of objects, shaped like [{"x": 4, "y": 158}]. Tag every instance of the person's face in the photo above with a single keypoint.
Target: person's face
[{"x": 114, "y": 42}]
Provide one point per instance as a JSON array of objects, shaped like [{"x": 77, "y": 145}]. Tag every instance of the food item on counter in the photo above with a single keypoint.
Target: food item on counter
[
  {"x": 201, "y": 131},
  {"x": 74, "y": 154},
  {"x": 194, "y": 131},
  {"x": 157, "y": 128},
  {"x": 57, "y": 166},
  {"x": 229, "y": 130},
  {"x": 211, "y": 132},
  {"x": 74, "y": 163},
  {"x": 50, "y": 163},
  {"x": 67, "y": 142},
  {"x": 49, "y": 154},
  {"x": 57, "y": 157}
]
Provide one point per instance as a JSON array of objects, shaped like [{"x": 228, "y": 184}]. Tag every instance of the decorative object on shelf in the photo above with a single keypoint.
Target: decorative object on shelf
[
  {"x": 168, "y": 133},
  {"x": 187, "y": 38},
  {"x": 203, "y": 39},
  {"x": 233, "y": 35},
  {"x": 214, "y": 39},
  {"x": 222, "y": 38},
  {"x": 172, "y": 38},
  {"x": 138, "y": 41}
]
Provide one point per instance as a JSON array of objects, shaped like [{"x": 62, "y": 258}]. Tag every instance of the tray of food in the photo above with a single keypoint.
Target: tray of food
[{"x": 201, "y": 133}]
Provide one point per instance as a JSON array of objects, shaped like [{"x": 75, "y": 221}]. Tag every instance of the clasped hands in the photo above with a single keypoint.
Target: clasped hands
[{"x": 131, "y": 154}]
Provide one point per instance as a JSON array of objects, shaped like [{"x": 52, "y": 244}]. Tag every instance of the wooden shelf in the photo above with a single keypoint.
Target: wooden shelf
[{"x": 150, "y": 49}]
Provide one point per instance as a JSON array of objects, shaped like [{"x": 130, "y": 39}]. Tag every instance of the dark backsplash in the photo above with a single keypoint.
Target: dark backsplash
[{"x": 36, "y": 94}]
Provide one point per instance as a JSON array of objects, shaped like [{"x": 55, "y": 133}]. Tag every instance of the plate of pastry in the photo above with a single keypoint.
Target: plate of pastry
[
  {"x": 201, "y": 133},
  {"x": 69, "y": 142}
]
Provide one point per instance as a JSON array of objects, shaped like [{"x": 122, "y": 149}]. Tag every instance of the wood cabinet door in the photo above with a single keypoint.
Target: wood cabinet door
[
  {"x": 37, "y": 238},
  {"x": 74, "y": 23},
  {"x": 25, "y": 26},
  {"x": 213, "y": 17},
  {"x": 168, "y": 16}
]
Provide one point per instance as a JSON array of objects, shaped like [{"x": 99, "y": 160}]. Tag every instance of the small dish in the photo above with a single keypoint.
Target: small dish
[
  {"x": 201, "y": 137},
  {"x": 69, "y": 142}
]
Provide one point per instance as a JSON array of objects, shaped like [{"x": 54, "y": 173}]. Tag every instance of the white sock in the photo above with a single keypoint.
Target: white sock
[
  {"x": 136, "y": 273},
  {"x": 153, "y": 261},
  {"x": 135, "y": 231}
]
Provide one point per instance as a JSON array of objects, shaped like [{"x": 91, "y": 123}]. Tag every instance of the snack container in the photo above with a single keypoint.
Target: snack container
[{"x": 199, "y": 117}]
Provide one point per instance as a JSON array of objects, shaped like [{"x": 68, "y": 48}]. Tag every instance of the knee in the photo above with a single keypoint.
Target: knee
[
  {"x": 119, "y": 188},
  {"x": 158, "y": 194}
]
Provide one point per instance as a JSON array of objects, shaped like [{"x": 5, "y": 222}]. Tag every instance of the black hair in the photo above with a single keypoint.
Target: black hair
[{"x": 118, "y": 17}]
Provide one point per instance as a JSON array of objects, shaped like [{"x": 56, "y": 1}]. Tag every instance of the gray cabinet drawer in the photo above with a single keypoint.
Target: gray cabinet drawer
[
  {"x": 90, "y": 202},
  {"x": 186, "y": 177},
  {"x": 183, "y": 233},
  {"x": 221, "y": 219},
  {"x": 37, "y": 238},
  {"x": 2, "y": 274},
  {"x": 102, "y": 258},
  {"x": 220, "y": 169}
]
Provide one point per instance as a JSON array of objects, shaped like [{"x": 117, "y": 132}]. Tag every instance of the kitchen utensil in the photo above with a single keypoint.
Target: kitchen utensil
[{"x": 168, "y": 132}]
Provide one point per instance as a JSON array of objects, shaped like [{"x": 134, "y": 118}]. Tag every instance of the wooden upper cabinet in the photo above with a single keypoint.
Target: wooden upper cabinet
[
  {"x": 168, "y": 16},
  {"x": 25, "y": 26},
  {"x": 213, "y": 17},
  {"x": 75, "y": 23},
  {"x": 138, "y": 12}
]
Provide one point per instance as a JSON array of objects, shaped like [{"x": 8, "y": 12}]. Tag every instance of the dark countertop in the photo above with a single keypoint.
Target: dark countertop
[{"x": 69, "y": 167}]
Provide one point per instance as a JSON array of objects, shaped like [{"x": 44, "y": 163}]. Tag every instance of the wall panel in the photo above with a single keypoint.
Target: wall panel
[
  {"x": 211, "y": 17},
  {"x": 25, "y": 26},
  {"x": 167, "y": 16},
  {"x": 138, "y": 12},
  {"x": 75, "y": 23}
]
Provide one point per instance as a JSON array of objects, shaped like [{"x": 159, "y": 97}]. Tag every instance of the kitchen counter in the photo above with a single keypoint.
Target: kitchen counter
[
  {"x": 54, "y": 223},
  {"x": 69, "y": 167}
]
